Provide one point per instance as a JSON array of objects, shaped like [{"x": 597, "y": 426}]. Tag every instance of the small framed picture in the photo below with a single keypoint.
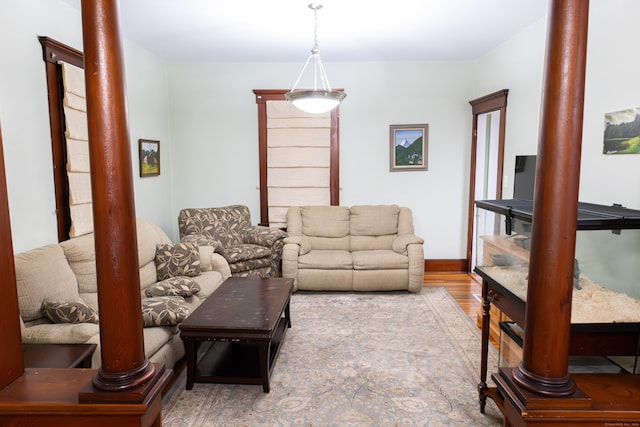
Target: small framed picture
[
  {"x": 149, "y": 152},
  {"x": 408, "y": 147}
]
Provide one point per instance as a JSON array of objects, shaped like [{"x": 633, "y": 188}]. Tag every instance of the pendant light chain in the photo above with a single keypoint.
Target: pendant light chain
[{"x": 315, "y": 25}]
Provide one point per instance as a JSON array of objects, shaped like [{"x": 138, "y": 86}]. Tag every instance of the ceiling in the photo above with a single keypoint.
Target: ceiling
[{"x": 348, "y": 30}]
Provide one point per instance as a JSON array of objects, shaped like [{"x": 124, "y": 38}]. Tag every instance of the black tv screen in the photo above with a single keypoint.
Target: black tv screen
[{"x": 524, "y": 177}]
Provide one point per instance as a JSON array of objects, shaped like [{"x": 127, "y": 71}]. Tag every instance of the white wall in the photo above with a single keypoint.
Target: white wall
[
  {"x": 148, "y": 107},
  {"x": 516, "y": 65},
  {"x": 205, "y": 116},
  {"x": 214, "y": 131},
  {"x": 24, "y": 116},
  {"x": 612, "y": 84}
]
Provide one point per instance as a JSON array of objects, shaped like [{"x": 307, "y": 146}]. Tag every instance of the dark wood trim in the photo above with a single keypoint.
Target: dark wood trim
[
  {"x": 491, "y": 102},
  {"x": 448, "y": 265},
  {"x": 334, "y": 173},
  {"x": 52, "y": 53},
  {"x": 496, "y": 101},
  {"x": 264, "y": 95},
  {"x": 124, "y": 365},
  {"x": 544, "y": 367},
  {"x": 10, "y": 335}
]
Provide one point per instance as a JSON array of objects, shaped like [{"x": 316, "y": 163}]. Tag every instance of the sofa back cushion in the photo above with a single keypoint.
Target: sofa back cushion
[
  {"x": 373, "y": 227},
  {"x": 149, "y": 237},
  {"x": 225, "y": 224},
  {"x": 325, "y": 227},
  {"x": 43, "y": 274},
  {"x": 81, "y": 256}
]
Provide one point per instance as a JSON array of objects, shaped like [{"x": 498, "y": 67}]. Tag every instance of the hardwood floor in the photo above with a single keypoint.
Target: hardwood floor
[{"x": 465, "y": 289}]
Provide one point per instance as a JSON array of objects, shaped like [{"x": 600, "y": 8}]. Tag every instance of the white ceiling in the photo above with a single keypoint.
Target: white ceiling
[{"x": 348, "y": 30}]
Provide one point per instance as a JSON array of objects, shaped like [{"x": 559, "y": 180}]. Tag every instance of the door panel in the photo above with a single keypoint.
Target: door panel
[{"x": 487, "y": 157}]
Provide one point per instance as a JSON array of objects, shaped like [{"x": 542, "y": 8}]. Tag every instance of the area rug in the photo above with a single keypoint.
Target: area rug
[{"x": 357, "y": 359}]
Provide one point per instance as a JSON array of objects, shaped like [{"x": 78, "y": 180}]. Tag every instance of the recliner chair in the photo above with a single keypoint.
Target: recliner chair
[{"x": 250, "y": 250}]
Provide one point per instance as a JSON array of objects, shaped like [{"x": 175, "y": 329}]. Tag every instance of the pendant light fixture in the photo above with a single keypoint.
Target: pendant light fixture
[{"x": 321, "y": 98}]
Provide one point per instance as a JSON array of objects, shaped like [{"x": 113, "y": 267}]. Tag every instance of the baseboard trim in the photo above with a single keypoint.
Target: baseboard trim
[{"x": 458, "y": 265}]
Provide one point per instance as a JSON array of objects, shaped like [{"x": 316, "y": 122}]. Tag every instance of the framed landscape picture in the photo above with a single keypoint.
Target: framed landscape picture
[
  {"x": 408, "y": 147},
  {"x": 149, "y": 152},
  {"x": 621, "y": 132}
]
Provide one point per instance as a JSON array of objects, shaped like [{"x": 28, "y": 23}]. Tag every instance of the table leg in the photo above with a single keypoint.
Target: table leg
[
  {"x": 287, "y": 314},
  {"x": 264, "y": 355},
  {"x": 191, "y": 351}
]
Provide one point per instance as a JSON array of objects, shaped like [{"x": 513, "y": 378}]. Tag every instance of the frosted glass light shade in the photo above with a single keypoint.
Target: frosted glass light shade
[{"x": 315, "y": 101}]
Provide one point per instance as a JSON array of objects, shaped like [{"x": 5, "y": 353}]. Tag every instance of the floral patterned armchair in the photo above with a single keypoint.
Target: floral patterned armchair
[{"x": 250, "y": 250}]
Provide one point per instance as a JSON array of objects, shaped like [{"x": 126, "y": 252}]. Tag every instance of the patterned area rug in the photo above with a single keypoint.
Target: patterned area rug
[{"x": 357, "y": 359}]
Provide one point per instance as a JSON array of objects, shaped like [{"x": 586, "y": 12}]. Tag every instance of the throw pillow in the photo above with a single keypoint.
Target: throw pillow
[
  {"x": 69, "y": 312},
  {"x": 179, "y": 259},
  {"x": 174, "y": 286},
  {"x": 163, "y": 311}
]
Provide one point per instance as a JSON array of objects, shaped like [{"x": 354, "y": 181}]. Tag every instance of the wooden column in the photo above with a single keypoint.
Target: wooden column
[
  {"x": 11, "y": 358},
  {"x": 544, "y": 368},
  {"x": 124, "y": 365}
]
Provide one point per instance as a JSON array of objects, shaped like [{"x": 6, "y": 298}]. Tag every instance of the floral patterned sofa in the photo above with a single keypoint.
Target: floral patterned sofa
[
  {"x": 57, "y": 291},
  {"x": 250, "y": 250}
]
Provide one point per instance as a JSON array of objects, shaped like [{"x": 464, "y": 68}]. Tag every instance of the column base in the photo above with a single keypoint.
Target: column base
[
  {"x": 549, "y": 387},
  {"x": 92, "y": 394}
]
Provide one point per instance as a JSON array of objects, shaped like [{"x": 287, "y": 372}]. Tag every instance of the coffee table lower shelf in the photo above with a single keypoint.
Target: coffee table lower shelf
[{"x": 238, "y": 361}]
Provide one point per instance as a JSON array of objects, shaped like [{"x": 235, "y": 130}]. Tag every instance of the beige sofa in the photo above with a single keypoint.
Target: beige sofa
[
  {"x": 362, "y": 248},
  {"x": 66, "y": 272}
]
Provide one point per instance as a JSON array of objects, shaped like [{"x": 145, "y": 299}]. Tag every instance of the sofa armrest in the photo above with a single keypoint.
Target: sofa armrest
[
  {"x": 401, "y": 243},
  {"x": 290, "y": 253},
  {"x": 202, "y": 240},
  {"x": 301, "y": 241},
  {"x": 219, "y": 264},
  {"x": 261, "y": 235}
]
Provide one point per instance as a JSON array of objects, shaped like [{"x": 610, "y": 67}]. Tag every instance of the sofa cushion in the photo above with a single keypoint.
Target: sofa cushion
[
  {"x": 373, "y": 227},
  {"x": 368, "y": 220},
  {"x": 327, "y": 260},
  {"x": 163, "y": 311},
  {"x": 174, "y": 286},
  {"x": 379, "y": 260},
  {"x": 179, "y": 259},
  {"x": 325, "y": 221},
  {"x": 69, "y": 312},
  {"x": 43, "y": 274},
  {"x": 80, "y": 254},
  {"x": 208, "y": 282},
  {"x": 326, "y": 227}
]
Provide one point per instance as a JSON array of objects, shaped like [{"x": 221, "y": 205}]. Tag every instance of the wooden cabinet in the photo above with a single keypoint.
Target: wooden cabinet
[{"x": 505, "y": 300}]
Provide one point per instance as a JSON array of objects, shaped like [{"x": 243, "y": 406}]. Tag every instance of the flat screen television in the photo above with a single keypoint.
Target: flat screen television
[{"x": 524, "y": 177}]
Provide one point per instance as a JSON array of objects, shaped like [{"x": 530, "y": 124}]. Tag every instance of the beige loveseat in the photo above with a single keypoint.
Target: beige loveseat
[
  {"x": 66, "y": 272},
  {"x": 362, "y": 248}
]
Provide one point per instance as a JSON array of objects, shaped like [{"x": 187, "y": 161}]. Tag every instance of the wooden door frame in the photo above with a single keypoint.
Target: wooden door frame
[
  {"x": 54, "y": 52},
  {"x": 496, "y": 101},
  {"x": 264, "y": 95}
]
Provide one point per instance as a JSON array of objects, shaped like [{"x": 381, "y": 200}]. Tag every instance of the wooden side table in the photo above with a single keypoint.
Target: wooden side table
[{"x": 58, "y": 355}]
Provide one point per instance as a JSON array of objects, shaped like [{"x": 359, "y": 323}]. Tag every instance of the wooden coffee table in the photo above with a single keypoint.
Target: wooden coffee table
[{"x": 246, "y": 319}]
